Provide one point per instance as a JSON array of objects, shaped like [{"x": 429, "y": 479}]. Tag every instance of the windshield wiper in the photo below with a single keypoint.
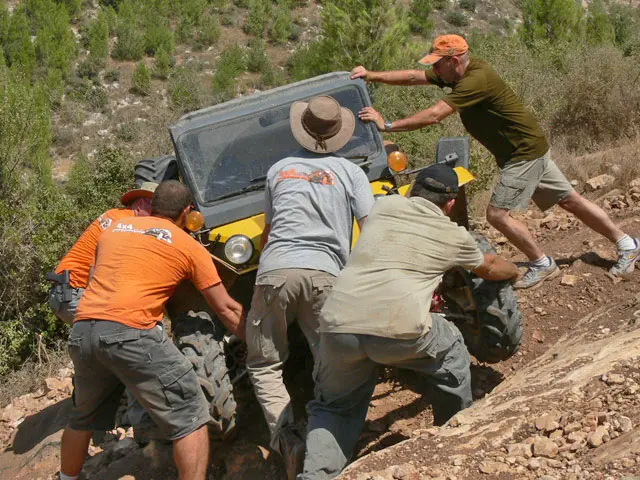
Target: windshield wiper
[
  {"x": 248, "y": 188},
  {"x": 361, "y": 161},
  {"x": 258, "y": 179}
]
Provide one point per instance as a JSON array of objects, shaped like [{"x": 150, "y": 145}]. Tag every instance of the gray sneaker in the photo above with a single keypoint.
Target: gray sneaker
[
  {"x": 534, "y": 276},
  {"x": 626, "y": 260}
]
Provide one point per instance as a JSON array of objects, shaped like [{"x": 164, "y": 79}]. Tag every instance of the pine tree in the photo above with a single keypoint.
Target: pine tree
[
  {"x": 19, "y": 50},
  {"x": 552, "y": 20}
]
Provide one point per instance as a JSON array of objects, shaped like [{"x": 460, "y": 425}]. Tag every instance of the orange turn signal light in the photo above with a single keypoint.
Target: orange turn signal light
[
  {"x": 397, "y": 161},
  {"x": 195, "y": 221}
]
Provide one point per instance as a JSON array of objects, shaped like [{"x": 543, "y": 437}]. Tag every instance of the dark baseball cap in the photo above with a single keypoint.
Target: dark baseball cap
[{"x": 439, "y": 178}]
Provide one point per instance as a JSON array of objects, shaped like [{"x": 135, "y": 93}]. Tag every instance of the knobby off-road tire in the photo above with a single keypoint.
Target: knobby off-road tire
[
  {"x": 197, "y": 337},
  {"x": 497, "y": 335}
]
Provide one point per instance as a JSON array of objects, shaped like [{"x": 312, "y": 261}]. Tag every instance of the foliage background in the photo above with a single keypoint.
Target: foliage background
[{"x": 62, "y": 63}]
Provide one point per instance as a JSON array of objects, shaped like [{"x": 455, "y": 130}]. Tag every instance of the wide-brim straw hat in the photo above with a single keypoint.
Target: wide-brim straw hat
[
  {"x": 146, "y": 190},
  {"x": 321, "y": 125}
]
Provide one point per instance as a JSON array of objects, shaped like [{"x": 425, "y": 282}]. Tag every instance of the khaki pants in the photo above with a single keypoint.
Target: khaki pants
[{"x": 280, "y": 298}]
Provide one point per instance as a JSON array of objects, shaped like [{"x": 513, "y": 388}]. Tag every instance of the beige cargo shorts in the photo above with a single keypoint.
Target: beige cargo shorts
[{"x": 539, "y": 180}]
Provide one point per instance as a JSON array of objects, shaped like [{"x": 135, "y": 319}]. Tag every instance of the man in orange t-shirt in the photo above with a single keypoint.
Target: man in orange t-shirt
[
  {"x": 80, "y": 257},
  {"x": 116, "y": 340}
]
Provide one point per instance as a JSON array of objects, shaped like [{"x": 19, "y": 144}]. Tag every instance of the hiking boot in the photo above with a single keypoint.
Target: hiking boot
[
  {"x": 534, "y": 276},
  {"x": 626, "y": 260},
  {"x": 292, "y": 447}
]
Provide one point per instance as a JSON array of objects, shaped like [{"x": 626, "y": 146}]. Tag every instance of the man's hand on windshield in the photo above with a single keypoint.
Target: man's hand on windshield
[
  {"x": 368, "y": 114},
  {"x": 359, "y": 72}
]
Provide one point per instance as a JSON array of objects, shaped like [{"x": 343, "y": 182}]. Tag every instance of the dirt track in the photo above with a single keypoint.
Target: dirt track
[{"x": 398, "y": 410}]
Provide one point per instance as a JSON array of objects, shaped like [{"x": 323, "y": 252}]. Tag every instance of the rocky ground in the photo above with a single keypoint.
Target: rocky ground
[{"x": 566, "y": 406}]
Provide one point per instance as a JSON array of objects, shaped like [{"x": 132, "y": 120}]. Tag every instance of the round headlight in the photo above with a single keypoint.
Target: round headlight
[{"x": 238, "y": 249}]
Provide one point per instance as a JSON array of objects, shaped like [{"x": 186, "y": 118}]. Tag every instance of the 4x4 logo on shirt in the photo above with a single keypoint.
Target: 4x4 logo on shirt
[
  {"x": 160, "y": 233},
  {"x": 323, "y": 177}
]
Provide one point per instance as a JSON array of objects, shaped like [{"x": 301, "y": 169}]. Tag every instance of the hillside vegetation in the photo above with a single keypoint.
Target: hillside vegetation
[{"x": 87, "y": 88}]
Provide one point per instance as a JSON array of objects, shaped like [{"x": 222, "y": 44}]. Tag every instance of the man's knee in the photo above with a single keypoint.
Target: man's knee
[
  {"x": 572, "y": 201},
  {"x": 497, "y": 216}
]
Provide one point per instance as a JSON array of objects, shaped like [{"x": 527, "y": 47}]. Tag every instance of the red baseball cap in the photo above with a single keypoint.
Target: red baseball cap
[{"x": 445, "y": 46}]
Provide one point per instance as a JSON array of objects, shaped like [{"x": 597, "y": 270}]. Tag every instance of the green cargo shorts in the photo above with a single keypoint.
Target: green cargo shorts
[
  {"x": 539, "y": 180},
  {"x": 109, "y": 356}
]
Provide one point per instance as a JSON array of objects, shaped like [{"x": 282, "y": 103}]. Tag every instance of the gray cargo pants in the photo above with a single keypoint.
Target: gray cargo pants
[
  {"x": 280, "y": 298},
  {"x": 346, "y": 377}
]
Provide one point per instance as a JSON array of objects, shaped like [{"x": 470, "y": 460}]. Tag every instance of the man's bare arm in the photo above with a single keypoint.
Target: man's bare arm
[
  {"x": 429, "y": 116},
  {"x": 392, "y": 77},
  {"x": 496, "y": 268},
  {"x": 229, "y": 311},
  {"x": 361, "y": 222}
]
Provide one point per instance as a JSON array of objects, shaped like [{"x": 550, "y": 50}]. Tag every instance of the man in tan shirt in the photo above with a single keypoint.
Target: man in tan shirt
[{"x": 378, "y": 313}]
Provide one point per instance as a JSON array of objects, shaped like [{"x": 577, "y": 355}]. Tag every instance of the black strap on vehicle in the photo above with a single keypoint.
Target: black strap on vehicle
[{"x": 62, "y": 279}]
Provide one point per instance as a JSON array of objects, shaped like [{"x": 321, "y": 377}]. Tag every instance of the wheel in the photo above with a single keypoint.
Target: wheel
[
  {"x": 156, "y": 169},
  {"x": 199, "y": 339},
  {"x": 490, "y": 321}
]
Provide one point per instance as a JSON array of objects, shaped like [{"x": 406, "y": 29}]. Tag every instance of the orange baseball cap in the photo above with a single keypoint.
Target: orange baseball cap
[{"x": 445, "y": 46}]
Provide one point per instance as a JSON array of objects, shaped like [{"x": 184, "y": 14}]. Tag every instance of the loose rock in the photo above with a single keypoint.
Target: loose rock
[{"x": 544, "y": 447}]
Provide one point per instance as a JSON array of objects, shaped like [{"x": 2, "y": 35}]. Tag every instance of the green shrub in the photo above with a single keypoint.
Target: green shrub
[
  {"x": 232, "y": 63},
  {"x": 185, "y": 90},
  {"x": 131, "y": 42},
  {"x": 162, "y": 65},
  {"x": 72, "y": 7},
  {"x": 457, "y": 18},
  {"x": 419, "y": 13},
  {"x": 208, "y": 33},
  {"x": 127, "y": 132},
  {"x": 112, "y": 75},
  {"x": 30, "y": 239},
  {"x": 357, "y": 32},
  {"x": 257, "y": 18},
  {"x": 272, "y": 77},
  {"x": 25, "y": 129},
  {"x": 93, "y": 96},
  {"x": 96, "y": 183},
  {"x": 440, "y": 4},
  {"x": 281, "y": 28},
  {"x": 141, "y": 80},
  {"x": 469, "y": 5},
  {"x": 55, "y": 41},
  {"x": 594, "y": 91},
  {"x": 89, "y": 68},
  {"x": 157, "y": 36},
  {"x": 191, "y": 14},
  {"x": 226, "y": 19},
  {"x": 241, "y": 3},
  {"x": 599, "y": 29},
  {"x": 257, "y": 60},
  {"x": 98, "y": 34},
  {"x": 111, "y": 17},
  {"x": 557, "y": 21},
  {"x": 5, "y": 18},
  {"x": 18, "y": 48}
]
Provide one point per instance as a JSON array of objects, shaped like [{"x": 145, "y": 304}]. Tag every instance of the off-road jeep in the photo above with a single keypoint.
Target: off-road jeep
[{"x": 223, "y": 153}]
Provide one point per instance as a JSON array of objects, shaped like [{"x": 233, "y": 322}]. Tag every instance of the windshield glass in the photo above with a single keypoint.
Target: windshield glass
[{"x": 224, "y": 159}]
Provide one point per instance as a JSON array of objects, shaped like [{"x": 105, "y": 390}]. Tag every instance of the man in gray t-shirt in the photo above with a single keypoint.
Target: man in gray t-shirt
[{"x": 311, "y": 201}]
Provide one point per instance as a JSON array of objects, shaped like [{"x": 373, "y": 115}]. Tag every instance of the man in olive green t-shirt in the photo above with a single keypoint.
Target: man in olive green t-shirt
[{"x": 493, "y": 115}]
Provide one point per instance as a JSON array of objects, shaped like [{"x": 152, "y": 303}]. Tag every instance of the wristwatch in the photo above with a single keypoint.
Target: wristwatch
[{"x": 387, "y": 126}]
